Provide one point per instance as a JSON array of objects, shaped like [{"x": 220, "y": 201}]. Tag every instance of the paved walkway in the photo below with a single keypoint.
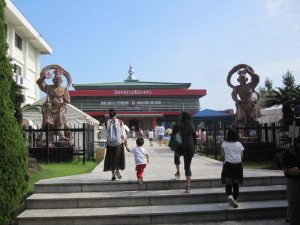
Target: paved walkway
[{"x": 161, "y": 166}]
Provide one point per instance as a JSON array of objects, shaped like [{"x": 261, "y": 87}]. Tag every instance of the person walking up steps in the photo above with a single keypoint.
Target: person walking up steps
[
  {"x": 232, "y": 173},
  {"x": 115, "y": 133},
  {"x": 141, "y": 158},
  {"x": 188, "y": 134}
]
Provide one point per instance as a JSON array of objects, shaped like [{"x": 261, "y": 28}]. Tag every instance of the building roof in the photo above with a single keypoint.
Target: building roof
[
  {"x": 131, "y": 84},
  {"x": 24, "y": 28}
]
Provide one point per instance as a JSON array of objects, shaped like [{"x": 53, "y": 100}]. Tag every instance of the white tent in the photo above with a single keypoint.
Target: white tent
[
  {"x": 271, "y": 115},
  {"x": 74, "y": 116}
]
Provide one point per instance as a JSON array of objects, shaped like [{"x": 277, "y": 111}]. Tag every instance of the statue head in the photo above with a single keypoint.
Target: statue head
[
  {"x": 57, "y": 79},
  {"x": 242, "y": 79}
]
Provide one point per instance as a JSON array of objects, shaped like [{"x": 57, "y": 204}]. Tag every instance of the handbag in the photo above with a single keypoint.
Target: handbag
[{"x": 176, "y": 141}]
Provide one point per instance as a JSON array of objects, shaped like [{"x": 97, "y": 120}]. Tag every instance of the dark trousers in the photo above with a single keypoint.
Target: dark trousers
[
  {"x": 187, "y": 164},
  {"x": 293, "y": 194},
  {"x": 232, "y": 190}
]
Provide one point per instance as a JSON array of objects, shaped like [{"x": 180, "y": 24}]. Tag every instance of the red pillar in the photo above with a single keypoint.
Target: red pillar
[{"x": 153, "y": 122}]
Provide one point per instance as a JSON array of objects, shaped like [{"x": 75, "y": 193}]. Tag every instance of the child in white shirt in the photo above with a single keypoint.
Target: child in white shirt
[
  {"x": 150, "y": 136},
  {"x": 232, "y": 173},
  {"x": 141, "y": 158}
]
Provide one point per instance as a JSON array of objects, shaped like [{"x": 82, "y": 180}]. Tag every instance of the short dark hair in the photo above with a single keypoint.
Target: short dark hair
[
  {"x": 112, "y": 112},
  {"x": 232, "y": 135},
  {"x": 140, "y": 141}
]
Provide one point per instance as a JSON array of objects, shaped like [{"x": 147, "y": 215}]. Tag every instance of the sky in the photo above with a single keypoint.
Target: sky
[{"x": 185, "y": 41}]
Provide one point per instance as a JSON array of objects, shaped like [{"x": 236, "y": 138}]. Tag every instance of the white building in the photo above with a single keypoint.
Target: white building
[{"x": 25, "y": 47}]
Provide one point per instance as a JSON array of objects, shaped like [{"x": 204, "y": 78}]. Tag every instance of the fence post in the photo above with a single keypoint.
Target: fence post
[
  {"x": 274, "y": 140},
  {"x": 214, "y": 139},
  {"x": 84, "y": 141},
  {"x": 266, "y": 132},
  {"x": 47, "y": 141},
  {"x": 258, "y": 132},
  {"x": 92, "y": 141}
]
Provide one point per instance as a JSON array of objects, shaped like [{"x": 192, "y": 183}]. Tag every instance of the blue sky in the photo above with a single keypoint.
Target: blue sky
[{"x": 192, "y": 41}]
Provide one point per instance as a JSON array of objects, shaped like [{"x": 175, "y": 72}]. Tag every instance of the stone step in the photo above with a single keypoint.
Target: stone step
[
  {"x": 277, "y": 221},
  {"x": 78, "y": 185},
  {"x": 142, "y": 197},
  {"x": 158, "y": 214}
]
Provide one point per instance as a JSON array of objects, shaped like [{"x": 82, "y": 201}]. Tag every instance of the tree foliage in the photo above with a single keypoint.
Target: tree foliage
[
  {"x": 286, "y": 96},
  {"x": 264, "y": 92},
  {"x": 13, "y": 149}
]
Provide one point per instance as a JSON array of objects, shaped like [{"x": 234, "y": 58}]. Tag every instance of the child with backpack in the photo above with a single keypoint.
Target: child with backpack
[
  {"x": 115, "y": 133},
  {"x": 141, "y": 158}
]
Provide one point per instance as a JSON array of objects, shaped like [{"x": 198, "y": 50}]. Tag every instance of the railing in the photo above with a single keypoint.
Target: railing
[
  {"x": 263, "y": 143},
  {"x": 47, "y": 144}
]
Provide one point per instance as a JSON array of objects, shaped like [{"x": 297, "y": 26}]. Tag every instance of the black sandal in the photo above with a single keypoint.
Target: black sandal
[
  {"x": 177, "y": 175},
  {"x": 113, "y": 178}
]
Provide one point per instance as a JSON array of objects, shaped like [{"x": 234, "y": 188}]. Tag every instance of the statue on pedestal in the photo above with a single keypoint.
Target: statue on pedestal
[
  {"x": 243, "y": 95},
  {"x": 55, "y": 106}
]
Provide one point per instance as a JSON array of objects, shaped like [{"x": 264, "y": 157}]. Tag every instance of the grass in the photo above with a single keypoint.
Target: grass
[
  {"x": 53, "y": 170},
  {"x": 248, "y": 165}
]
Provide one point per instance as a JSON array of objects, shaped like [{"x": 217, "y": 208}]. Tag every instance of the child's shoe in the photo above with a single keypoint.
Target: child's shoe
[
  {"x": 118, "y": 175},
  {"x": 232, "y": 202},
  {"x": 177, "y": 175}
]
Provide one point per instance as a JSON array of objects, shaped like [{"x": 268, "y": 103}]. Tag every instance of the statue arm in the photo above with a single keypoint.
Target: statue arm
[
  {"x": 41, "y": 81},
  {"x": 254, "y": 78},
  {"x": 234, "y": 95},
  {"x": 66, "y": 97}
]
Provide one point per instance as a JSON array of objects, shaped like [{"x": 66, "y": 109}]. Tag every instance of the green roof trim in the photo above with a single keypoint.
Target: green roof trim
[{"x": 131, "y": 85}]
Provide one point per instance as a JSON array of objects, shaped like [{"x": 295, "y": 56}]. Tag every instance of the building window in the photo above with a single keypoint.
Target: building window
[
  {"x": 18, "y": 41},
  {"x": 17, "y": 69}
]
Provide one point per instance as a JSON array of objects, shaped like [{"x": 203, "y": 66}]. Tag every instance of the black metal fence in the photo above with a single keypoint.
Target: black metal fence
[
  {"x": 47, "y": 144},
  {"x": 263, "y": 143}
]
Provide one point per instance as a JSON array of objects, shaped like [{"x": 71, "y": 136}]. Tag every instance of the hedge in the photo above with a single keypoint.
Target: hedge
[{"x": 13, "y": 149}]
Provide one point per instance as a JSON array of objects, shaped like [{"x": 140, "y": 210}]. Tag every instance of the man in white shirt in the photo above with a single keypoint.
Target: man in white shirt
[{"x": 160, "y": 131}]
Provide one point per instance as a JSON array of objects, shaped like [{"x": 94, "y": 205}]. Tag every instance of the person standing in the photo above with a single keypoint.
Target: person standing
[
  {"x": 160, "y": 131},
  {"x": 291, "y": 168},
  {"x": 141, "y": 158},
  {"x": 187, "y": 131},
  {"x": 150, "y": 136},
  {"x": 198, "y": 139},
  {"x": 202, "y": 138},
  {"x": 133, "y": 134},
  {"x": 232, "y": 173},
  {"x": 115, "y": 134}
]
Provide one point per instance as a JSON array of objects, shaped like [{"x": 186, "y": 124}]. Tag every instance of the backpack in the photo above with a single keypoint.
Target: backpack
[
  {"x": 175, "y": 141},
  {"x": 114, "y": 138}
]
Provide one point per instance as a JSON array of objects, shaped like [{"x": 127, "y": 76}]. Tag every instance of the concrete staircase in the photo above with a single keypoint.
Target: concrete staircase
[{"x": 155, "y": 202}]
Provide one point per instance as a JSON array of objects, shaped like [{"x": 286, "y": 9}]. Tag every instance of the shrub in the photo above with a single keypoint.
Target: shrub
[{"x": 13, "y": 150}]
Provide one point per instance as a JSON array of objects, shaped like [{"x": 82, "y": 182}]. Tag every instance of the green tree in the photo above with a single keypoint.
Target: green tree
[
  {"x": 287, "y": 96},
  {"x": 264, "y": 92},
  {"x": 13, "y": 149},
  {"x": 288, "y": 80}
]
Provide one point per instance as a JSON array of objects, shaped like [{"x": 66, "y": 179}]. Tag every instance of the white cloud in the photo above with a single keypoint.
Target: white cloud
[
  {"x": 283, "y": 15},
  {"x": 278, "y": 7}
]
